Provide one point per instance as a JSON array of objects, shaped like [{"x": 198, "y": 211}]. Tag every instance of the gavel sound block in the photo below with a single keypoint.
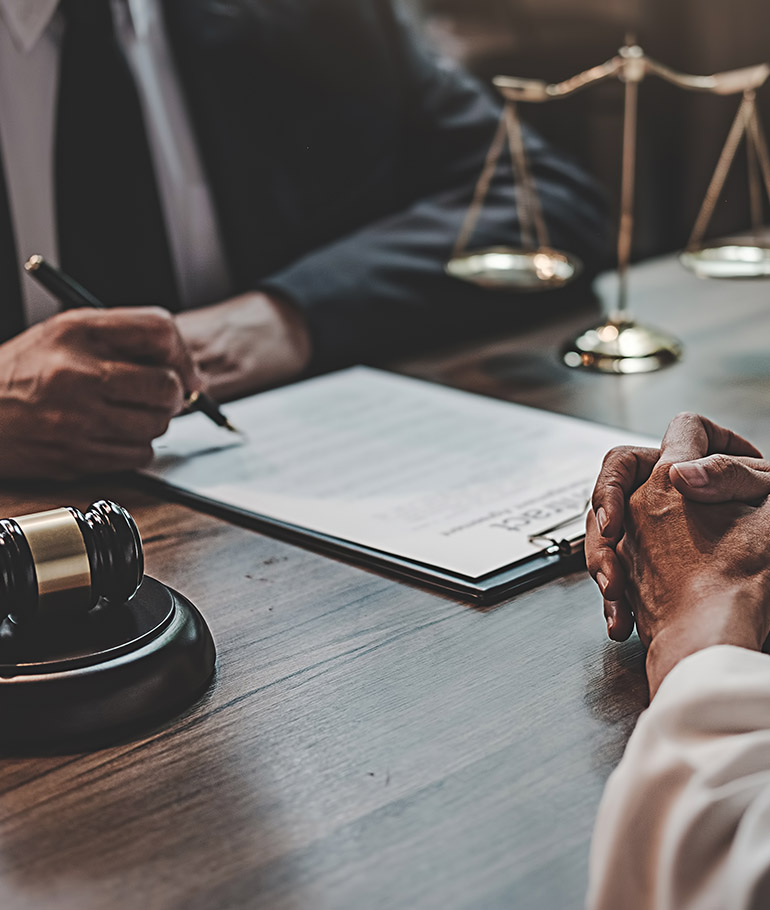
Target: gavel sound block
[{"x": 90, "y": 649}]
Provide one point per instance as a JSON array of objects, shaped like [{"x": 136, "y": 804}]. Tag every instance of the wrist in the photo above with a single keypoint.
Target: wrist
[
  {"x": 727, "y": 615},
  {"x": 297, "y": 335}
]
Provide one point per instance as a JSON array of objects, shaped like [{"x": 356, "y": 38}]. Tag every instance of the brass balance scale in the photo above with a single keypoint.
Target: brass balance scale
[{"x": 619, "y": 344}]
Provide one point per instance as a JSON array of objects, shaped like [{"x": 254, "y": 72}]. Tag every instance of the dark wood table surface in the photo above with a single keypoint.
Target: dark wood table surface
[{"x": 366, "y": 743}]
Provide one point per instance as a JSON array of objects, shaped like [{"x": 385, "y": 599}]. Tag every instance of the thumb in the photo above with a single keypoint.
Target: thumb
[
  {"x": 690, "y": 436},
  {"x": 722, "y": 478}
]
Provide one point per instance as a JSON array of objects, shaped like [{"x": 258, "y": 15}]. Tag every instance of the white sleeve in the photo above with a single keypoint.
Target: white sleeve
[{"x": 684, "y": 822}]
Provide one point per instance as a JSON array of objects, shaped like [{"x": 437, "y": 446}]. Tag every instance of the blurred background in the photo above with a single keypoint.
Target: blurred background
[{"x": 680, "y": 133}]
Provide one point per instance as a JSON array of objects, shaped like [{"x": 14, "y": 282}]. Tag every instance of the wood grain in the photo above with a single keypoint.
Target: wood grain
[{"x": 367, "y": 743}]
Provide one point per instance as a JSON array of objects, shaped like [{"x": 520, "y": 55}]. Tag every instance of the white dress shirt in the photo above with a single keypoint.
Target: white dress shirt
[
  {"x": 684, "y": 822},
  {"x": 30, "y": 40}
]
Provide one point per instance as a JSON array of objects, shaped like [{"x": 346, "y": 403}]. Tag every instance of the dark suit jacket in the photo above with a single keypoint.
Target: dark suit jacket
[{"x": 342, "y": 159}]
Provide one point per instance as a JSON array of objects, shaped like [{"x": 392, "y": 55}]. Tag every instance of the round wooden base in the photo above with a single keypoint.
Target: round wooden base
[{"x": 102, "y": 677}]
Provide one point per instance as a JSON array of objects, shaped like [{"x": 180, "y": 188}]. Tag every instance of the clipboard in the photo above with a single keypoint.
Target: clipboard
[
  {"x": 562, "y": 552},
  {"x": 471, "y": 515}
]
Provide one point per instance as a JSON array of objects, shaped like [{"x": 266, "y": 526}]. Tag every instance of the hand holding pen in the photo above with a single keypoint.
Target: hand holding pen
[
  {"x": 73, "y": 295},
  {"x": 88, "y": 390}
]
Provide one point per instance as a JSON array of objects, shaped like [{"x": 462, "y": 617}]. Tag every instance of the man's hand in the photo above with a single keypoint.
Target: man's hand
[
  {"x": 698, "y": 574},
  {"x": 694, "y": 574},
  {"x": 88, "y": 390},
  {"x": 724, "y": 467},
  {"x": 246, "y": 344}
]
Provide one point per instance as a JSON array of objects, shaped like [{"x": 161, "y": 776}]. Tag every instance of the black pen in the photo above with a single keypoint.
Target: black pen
[{"x": 73, "y": 295}]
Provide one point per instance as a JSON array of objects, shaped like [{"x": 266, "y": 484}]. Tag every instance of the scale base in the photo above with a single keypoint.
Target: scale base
[
  {"x": 506, "y": 267},
  {"x": 729, "y": 260},
  {"x": 622, "y": 347},
  {"x": 90, "y": 682}
]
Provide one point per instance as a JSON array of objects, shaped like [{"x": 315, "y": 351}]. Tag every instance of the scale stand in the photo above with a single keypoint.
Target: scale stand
[{"x": 620, "y": 344}]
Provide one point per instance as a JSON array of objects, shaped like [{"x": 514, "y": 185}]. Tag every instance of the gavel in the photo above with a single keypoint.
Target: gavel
[
  {"x": 91, "y": 649},
  {"x": 60, "y": 563}
]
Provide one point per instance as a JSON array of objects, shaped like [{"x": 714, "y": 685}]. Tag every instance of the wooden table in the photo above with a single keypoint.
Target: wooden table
[{"x": 368, "y": 744}]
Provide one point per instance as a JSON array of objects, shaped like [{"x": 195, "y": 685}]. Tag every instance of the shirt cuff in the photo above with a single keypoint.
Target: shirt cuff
[{"x": 710, "y": 667}]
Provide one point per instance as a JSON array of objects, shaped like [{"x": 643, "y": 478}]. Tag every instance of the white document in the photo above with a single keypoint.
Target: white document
[{"x": 445, "y": 478}]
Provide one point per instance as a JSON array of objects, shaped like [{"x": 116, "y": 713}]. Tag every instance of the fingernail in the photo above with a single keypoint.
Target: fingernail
[
  {"x": 602, "y": 581},
  {"x": 693, "y": 474},
  {"x": 601, "y": 520},
  {"x": 611, "y": 615}
]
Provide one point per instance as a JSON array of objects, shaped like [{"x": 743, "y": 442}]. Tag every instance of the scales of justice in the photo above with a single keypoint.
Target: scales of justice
[{"x": 619, "y": 344}]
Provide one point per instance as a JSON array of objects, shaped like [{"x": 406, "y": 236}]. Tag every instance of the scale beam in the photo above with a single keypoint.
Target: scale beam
[{"x": 632, "y": 62}]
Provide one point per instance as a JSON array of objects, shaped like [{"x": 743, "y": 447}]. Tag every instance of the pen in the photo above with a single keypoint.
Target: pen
[{"x": 73, "y": 295}]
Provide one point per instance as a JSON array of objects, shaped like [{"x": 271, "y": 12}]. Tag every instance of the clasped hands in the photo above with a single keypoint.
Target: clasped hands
[
  {"x": 87, "y": 391},
  {"x": 678, "y": 541}
]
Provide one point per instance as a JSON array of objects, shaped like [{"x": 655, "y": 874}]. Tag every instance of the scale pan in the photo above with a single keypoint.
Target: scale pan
[
  {"x": 505, "y": 267},
  {"x": 728, "y": 261}
]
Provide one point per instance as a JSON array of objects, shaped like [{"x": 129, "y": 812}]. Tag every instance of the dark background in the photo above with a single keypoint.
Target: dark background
[{"x": 680, "y": 133}]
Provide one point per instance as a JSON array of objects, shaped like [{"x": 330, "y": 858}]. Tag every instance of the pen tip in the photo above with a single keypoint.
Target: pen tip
[
  {"x": 228, "y": 426},
  {"x": 33, "y": 262}
]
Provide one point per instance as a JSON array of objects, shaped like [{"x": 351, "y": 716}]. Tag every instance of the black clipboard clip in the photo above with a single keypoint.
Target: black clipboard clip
[{"x": 556, "y": 540}]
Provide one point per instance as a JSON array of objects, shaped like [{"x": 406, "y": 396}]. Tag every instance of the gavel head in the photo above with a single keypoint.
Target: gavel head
[{"x": 56, "y": 564}]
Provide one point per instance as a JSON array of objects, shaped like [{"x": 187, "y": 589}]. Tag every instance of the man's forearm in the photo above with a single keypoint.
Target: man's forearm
[
  {"x": 683, "y": 822},
  {"x": 380, "y": 289}
]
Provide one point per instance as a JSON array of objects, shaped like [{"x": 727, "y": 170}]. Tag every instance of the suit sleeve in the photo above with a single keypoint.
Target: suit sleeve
[
  {"x": 382, "y": 289},
  {"x": 684, "y": 822}
]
